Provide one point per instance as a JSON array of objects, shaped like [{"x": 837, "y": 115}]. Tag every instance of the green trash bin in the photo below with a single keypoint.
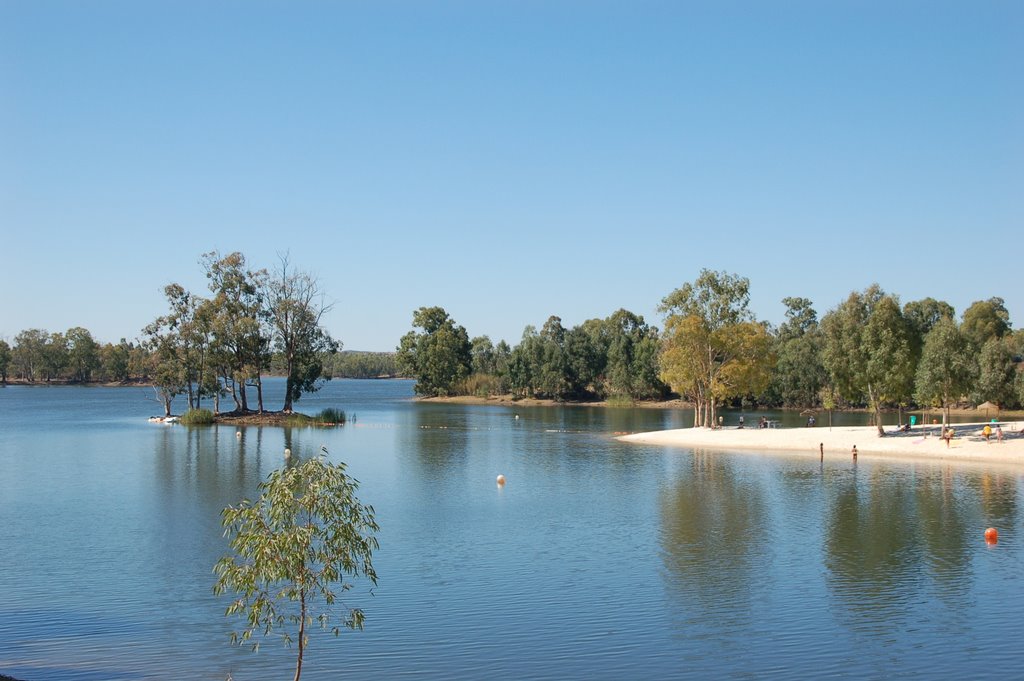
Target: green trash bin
[{"x": 913, "y": 421}]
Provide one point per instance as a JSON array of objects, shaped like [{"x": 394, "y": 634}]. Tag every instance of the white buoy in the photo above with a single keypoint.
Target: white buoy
[
  {"x": 238, "y": 433},
  {"x": 501, "y": 480},
  {"x": 287, "y": 453}
]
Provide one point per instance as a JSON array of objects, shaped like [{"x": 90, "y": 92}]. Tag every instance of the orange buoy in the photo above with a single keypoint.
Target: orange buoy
[
  {"x": 991, "y": 535},
  {"x": 501, "y": 479}
]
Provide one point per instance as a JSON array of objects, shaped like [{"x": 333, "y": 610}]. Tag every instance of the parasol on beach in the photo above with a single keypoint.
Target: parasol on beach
[{"x": 986, "y": 407}]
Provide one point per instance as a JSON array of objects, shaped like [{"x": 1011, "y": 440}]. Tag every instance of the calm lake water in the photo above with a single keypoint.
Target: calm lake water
[{"x": 597, "y": 560}]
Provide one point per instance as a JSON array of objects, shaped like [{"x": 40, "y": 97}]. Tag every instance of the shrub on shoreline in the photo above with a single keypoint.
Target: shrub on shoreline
[
  {"x": 197, "y": 417},
  {"x": 331, "y": 416}
]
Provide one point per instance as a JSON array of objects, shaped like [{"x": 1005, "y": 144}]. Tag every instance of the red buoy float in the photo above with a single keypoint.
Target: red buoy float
[{"x": 991, "y": 535}]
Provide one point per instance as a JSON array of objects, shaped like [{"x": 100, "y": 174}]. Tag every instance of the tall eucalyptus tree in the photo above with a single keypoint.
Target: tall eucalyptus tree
[
  {"x": 713, "y": 348},
  {"x": 295, "y": 307},
  {"x": 868, "y": 350}
]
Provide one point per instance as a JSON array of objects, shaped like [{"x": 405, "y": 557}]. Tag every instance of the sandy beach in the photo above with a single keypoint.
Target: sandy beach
[{"x": 920, "y": 443}]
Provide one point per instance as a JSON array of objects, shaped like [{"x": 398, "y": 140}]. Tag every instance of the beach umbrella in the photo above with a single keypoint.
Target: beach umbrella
[{"x": 987, "y": 406}]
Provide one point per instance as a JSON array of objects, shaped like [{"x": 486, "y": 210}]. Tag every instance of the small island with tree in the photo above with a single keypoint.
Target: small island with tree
[{"x": 221, "y": 346}]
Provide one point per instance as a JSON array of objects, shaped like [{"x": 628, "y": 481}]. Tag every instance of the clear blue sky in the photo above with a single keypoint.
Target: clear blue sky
[{"x": 507, "y": 161}]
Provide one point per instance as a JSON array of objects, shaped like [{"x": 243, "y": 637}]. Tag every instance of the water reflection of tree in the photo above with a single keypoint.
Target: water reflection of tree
[
  {"x": 997, "y": 491},
  {"x": 714, "y": 538},
  {"x": 943, "y": 529},
  {"x": 871, "y": 538},
  {"x": 897, "y": 540}
]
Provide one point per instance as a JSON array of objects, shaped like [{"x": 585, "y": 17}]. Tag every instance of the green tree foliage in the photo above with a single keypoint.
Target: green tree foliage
[
  {"x": 295, "y": 550},
  {"x": 438, "y": 357},
  {"x": 55, "y": 356},
  {"x": 485, "y": 377},
  {"x": 601, "y": 357},
  {"x": 237, "y": 317},
  {"x": 631, "y": 360},
  {"x": 179, "y": 343},
  {"x": 946, "y": 367},
  {"x": 867, "y": 350},
  {"x": 502, "y": 357},
  {"x": 484, "y": 360},
  {"x": 984, "y": 320},
  {"x": 713, "y": 349},
  {"x": 921, "y": 316},
  {"x": 552, "y": 377},
  {"x": 295, "y": 306},
  {"x": 718, "y": 299},
  {"x": 166, "y": 370},
  {"x": 996, "y": 373},
  {"x": 357, "y": 364},
  {"x": 114, "y": 361},
  {"x": 5, "y": 360},
  {"x": 27, "y": 357},
  {"x": 799, "y": 374},
  {"x": 586, "y": 359},
  {"x": 83, "y": 353},
  {"x": 1018, "y": 385},
  {"x": 524, "y": 363},
  {"x": 924, "y": 314}
]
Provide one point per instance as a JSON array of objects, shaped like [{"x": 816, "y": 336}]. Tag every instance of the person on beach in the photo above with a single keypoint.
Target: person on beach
[
  {"x": 854, "y": 452},
  {"x": 987, "y": 432},
  {"x": 999, "y": 433},
  {"x": 947, "y": 435},
  {"x": 741, "y": 421}
]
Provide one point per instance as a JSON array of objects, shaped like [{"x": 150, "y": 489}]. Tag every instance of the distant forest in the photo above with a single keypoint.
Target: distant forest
[
  {"x": 41, "y": 356},
  {"x": 869, "y": 350},
  {"x": 210, "y": 347}
]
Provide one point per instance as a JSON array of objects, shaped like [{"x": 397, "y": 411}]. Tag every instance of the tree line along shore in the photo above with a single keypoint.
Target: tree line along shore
[
  {"x": 869, "y": 351},
  {"x": 128, "y": 363},
  {"x": 251, "y": 324}
]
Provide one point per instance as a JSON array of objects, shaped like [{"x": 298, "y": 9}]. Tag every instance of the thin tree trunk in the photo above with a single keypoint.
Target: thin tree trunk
[
  {"x": 876, "y": 408},
  {"x": 302, "y": 633},
  {"x": 241, "y": 393}
]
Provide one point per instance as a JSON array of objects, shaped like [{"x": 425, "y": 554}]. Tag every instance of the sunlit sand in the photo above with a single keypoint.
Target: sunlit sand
[{"x": 920, "y": 443}]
